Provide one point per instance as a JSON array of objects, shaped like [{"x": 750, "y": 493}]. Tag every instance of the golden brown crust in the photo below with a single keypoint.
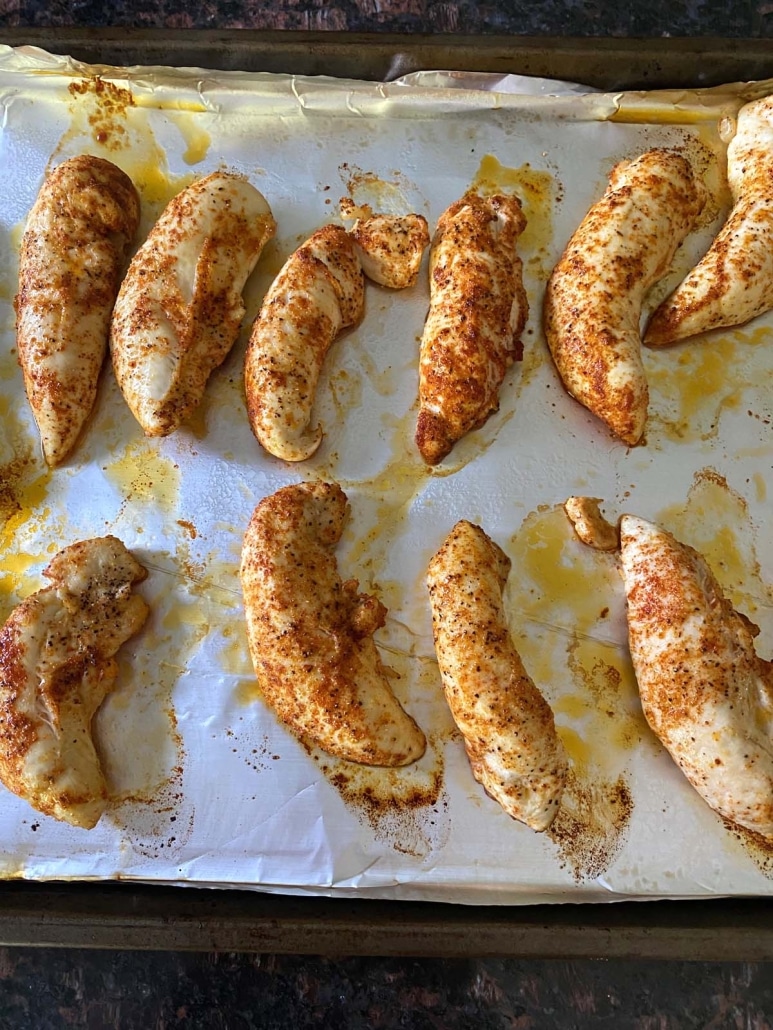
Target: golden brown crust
[
  {"x": 478, "y": 310},
  {"x": 73, "y": 251},
  {"x": 704, "y": 691},
  {"x": 507, "y": 725},
  {"x": 593, "y": 299},
  {"x": 310, "y": 634},
  {"x": 733, "y": 282},
  {"x": 390, "y": 248}
]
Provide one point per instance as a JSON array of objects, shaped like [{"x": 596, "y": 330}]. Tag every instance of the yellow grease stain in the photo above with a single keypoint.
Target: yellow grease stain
[
  {"x": 568, "y": 624},
  {"x": 536, "y": 190},
  {"x": 28, "y": 520},
  {"x": 667, "y": 113},
  {"x": 385, "y": 196},
  {"x": 105, "y": 118},
  {"x": 692, "y": 383},
  {"x": 760, "y": 487},
  {"x": 144, "y": 475},
  {"x": 715, "y": 521},
  {"x": 577, "y": 749},
  {"x": 196, "y": 139}
]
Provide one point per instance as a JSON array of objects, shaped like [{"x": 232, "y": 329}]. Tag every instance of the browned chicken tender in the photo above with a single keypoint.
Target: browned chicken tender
[
  {"x": 507, "y": 725},
  {"x": 594, "y": 296},
  {"x": 705, "y": 692},
  {"x": 310, "y": 634},
  {"x": 57, "y": 665},
  {"x": 390, "y": 248},
  {"x": 478, "y": 310},
  {"x": 73, "y": 252},
  {"x": 733, "y": 282}
]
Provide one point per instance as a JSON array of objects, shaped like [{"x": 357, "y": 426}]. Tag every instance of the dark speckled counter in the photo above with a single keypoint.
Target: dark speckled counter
[
  {"x": 43, "y": 989},
  {"x": 735, "y": 18}
]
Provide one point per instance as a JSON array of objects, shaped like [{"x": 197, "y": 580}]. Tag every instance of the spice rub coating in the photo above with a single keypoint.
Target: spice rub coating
[
  {"x": 75, "y": 244},
  {"x": 733, "y": 282},
  {"x": 180, "y": 306},
  {"x": 507, "y": 725},
  {"x": 705, "y": 692},
  {"x": 57, "y": 665},
  {"x": 310, "y": 634},
  {"x": 478, "y": 310},
  {"x": 319, "y": 292},
  {"x": 594, "y": 296},
  {"x": 390, "y": 248}
]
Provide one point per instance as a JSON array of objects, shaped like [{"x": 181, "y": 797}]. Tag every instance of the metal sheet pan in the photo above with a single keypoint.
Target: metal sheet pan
[{"x": 131, "y": 916}]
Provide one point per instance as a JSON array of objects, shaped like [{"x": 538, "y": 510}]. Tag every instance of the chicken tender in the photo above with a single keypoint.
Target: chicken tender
[
  {"x": 478, "y": 310},
  {"x": 507, "y": 725},
  {"x": 73, "y": 251},
  {"x": 180, "y": 307},
  {"x": 319, "y": 292},
  {"x": 310, "y": 635},
  {"x": 705, "y": 692},
  {"x": 390, "y": 248},
  {"x": 733, "y": 283},
  {"x": 594, "y": 296},
  {"x": 57, "y": 665}
]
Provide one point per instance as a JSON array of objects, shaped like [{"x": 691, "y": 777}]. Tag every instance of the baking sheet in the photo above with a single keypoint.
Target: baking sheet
[{"x": 209, "y": 788}]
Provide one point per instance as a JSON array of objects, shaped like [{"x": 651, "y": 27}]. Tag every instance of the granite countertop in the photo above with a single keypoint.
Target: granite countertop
[
  {"x": 46, "y": 988},
  {"x": 750, "y": 18}
]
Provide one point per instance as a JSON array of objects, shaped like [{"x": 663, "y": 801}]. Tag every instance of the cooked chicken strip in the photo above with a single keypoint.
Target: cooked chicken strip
[
  {"x": 57, "y": 665},
  {"x": 705, "y": 692},
  {"x": 310, "y": 635},
  {"x": 733, "y": 283},
  {"x": 390, "y": 248},
  {"x": 478, "y": 310},
  {"x": 73, "y": 251},
  {"x": 180, "y": 306},
  {"x": 507, "y": 725},
  {"x": 318, "y": 293},
  {"x": 594, "y": 296},
  {"x": 590, "y": 525}
]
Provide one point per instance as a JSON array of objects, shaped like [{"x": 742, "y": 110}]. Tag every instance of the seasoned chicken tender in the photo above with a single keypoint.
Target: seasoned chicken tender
[
  {"x": 310, "y": 635},
  {"x": 594, "y": 296},
  {"x": 705, "y": 692},
  {"x": 180, "y": 307},
  {"x": 390, "y": 248},
  {"x": 73, "y": 251},
  {"x": 733, "y": 283},
  {"x": 506, "y": 723},
  {"x": 319, "y": 292},
  {"x": 57, "y": 664},
  {"x": 590, "y": 525},
  {"x": 478, "y": 310}
]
